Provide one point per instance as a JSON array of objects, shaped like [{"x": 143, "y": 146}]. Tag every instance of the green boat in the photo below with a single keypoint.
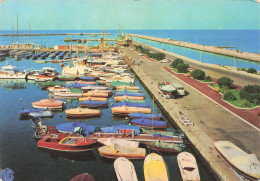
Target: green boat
[
  {"x": 50, "y": 84},
  {"x": 133, "y": 101},
  {"x": 130, "y": 91},
  {"x": 73, "y": 90},
  {"x": 66, "y": 78},
  {"x": 165, "y": 147},
  {"x": 120, "y": 83},
  {"x": 167, "y": 88}
]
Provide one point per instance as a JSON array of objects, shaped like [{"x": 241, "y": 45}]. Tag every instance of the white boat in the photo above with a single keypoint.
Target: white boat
[
  {"x": 94, "y": 88},
  {"x": 67, "y": 93},
  {"x": 43, "y": 78},
  {"x": 9, "y": 72},
  {"x": 245, "y": 164},
  {"x": 125, "y": 170},
  {"x": 112, "y": 140},
  {"x": 188, "y": 167}
]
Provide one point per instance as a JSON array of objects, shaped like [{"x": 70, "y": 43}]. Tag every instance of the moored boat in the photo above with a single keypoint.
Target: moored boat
[
  {"x": 132, "y": 101},
  {"x": 155, "y": 168},
  {"x": 9, "y": 72},
  {"x": 40, "y": 131},
  {"x": 43, "y": 78},
  {"x": 68, "y": 92},
  {"x": 66, "y": 78},
  {"x": 147, "y": 123},
  {"x": 120, "y": 83},
  {"x": 115, "y": 151},
  {"x": 125, "y": 170},
  {"x": 146, "y": 116},
  {"x": 165, "y": 147},
  {"x": 130, "y": 104},
  {"x": 112, "y": 140},
  {"x": 96, "y": 94},
  {"x": 245, "y": 164},
  {"x": 82, "y": 113},
  {"x": 119, "y": 98},
  {"x": 49, "y": 84},
  {"x": 94, "y": 104},
  {"x": 125, "y": 93},
  {"x": 26, "y": 112},
  {"x": 62, "y": 142},
  {"x": 127, "y": 87},
  {"x": 188, "y": 167},
  {"x": 48, "y": 104},
  {"x": 124, "y": 110},
  {"x": 42, "y": 114},
  {"x": 92, "y": 98}
]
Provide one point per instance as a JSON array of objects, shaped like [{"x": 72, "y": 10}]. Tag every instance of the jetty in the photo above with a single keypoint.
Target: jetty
[
  {"x": 211, "y": 121},
  {"x": 212, "y": 49}
]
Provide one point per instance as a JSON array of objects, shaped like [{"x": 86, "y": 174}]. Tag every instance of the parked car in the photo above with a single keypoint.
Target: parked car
[
  {"x": 140, "y": 54},
  {"x": 165, "y": 61}
]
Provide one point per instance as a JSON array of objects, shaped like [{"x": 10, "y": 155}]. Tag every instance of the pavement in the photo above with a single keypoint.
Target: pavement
[{"x": 212, "y": 122}]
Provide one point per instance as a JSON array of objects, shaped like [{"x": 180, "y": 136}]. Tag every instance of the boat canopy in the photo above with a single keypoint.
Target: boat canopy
[
  {"x": 142, "y": 115},
  {"x": 130, "y": 104},
  {"x": 148, "y": 122},
  {"x": 6, "y": 174},
  {"x": 70, "y": 127},
  {"x": 117, "y": 128},
  {"x": 89, "y": 102},
  {"x": 129, "y": 94}
]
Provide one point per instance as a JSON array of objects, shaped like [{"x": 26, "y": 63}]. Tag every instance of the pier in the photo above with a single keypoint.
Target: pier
[
  {"x": 211, "y": 121},
  {"x": 54, "y": 34},
  {"x": 212, "y": 49}
]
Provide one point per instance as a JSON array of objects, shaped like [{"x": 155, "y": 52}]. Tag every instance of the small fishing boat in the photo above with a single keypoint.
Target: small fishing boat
[
  {"x": 167, "y": 89},
  {"x": 243, "y": 163},
  {"x": 125, "y": 170},
  {"x": 48, "y": 104},
  {"x": 83, "y": 177},
  {"x": 147, "y": 123},
  {"x": 92, "y": 98},
  {"x": 66, "y": 78},
  {"x": 112, "y": 140},
  {"x": 68, "y": 92},
  {"x": 127, "y": 87},
  {"x": 115, "y": 151},
  {"x": 155, "y": 168},
  {"x": 124, "y": 110},
  {"x": 118, "y": 98},
  {"x": 47, "y": 84},
  {"x": 188, "y": 167},
  {"x": 94, "y": 104},
  {"x": 37, "y": 122},
  {"x": 63, "y": 142},
  {"x": 130, "y": 104},
  {"x": 43, "y": 78},
  {"x": 146, "y": 116},
  {"x": 165, "y": 147},
  {"x": 9, "y": 72},
  {"x": 26, "y": 112},
  {"x": 42, "y": 114},
  {"x": 40, "y": 131},
  {"x": 96, "y": 94},
  {"x": 82, "y": 113}
]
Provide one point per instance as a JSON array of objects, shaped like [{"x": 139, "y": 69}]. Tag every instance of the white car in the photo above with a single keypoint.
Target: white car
[
  {"x": 165, "y": 61},
  {"x": 140, "y": 54}
]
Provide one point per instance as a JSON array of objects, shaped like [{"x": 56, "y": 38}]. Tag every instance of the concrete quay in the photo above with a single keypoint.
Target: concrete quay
[
  {"x": 211, "y": 121},
  {"x": 212, "y": 49}
]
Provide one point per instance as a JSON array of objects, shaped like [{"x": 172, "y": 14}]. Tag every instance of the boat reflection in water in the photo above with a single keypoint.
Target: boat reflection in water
[
  {"x": 80, "y": 156},
  {"x": 13, "y": 83}
]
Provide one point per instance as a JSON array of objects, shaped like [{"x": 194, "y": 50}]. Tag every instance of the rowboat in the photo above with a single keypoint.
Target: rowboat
[
  {"x": 188, "y": 167},
  {"x": 146, "y": 116},
  {"x": 94, "y": 104},
  {"x": 40, "y": 131},
  {"x": 147, "y": 123},
  {"x": 125, "y": 170},
  {"x": 37, "y": 122},
  {"x": 243, "y": 163},
  {"x": 118, "y": 98},
  {"x": 63, "y": 142},
  {"x": 83, "y": 177},
  {"x": 155, "y": 168},
  {"x": 112, "y": 140},
  {"x": 115, "y": 151},
  {"x": 48, "y": 103},
  {"x": 82, "y": 113},
  {"x": 92, "y": 98},
  {"x": 127, "y": 110},
  {"x": 164, "y": 147}
]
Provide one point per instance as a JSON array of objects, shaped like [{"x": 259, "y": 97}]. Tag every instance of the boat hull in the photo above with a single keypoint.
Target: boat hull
[{"x": 82, "y": 115}]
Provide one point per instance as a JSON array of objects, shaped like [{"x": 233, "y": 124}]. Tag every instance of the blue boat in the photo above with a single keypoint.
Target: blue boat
[
  {"x": 148, "y": 123},
  {"x": 129, "y": 94},
  {"x": 147, "y": 116},
  {"x": 27, "y": 111},
  {"x": 86, "y": 78},
  {"x": 130, "y": 104},
  {"x": 34, "y": 57},
  {"x": 117, "y": 128},
  {"x": 76, "y": 85},
  {"x": 94, "y": 104},
  {"x": 42, "y": 114},
  {"x": 73, "y": 126},
  {"x": 6, "y": 174}
]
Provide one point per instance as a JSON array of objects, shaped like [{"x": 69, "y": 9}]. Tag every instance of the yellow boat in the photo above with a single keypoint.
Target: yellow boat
[
  {"x": 127, "y": 87},
  {"x": 155, "y": 169},
  {"x": 92, "y": 99},
  {"x": 119, "y": 98},
  {"x": 124, "y": 110}
]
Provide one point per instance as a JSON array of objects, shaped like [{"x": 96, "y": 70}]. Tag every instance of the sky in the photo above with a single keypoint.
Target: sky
[{"x": 132, "y": 14}]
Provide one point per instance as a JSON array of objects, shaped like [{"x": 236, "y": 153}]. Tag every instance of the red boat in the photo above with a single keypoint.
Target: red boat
[{"x": 63, "y": 142}]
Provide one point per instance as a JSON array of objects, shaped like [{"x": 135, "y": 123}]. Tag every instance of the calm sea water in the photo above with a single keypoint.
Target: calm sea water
[
  {"x": 19, "y": 150},
  {"x": 244, "y": 40}
]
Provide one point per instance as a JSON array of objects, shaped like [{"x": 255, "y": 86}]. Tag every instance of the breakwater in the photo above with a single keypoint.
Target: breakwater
[{"x": 212, "y": 49}]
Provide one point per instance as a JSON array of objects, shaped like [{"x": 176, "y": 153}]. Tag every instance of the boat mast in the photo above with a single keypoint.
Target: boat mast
[
  {"x": 17, "y": 28},
  {"x": 70, "y": 49}
]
